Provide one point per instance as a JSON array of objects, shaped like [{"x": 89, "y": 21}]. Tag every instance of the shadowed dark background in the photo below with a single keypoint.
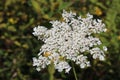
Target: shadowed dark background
[{"x": 18, "y": 45}]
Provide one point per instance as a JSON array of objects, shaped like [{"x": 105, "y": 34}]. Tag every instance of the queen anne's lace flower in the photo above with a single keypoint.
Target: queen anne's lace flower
[{"x": 69, "y": 40}]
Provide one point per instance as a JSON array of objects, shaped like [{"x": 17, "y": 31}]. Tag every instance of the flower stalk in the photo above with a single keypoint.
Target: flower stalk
[
  {"x": 75, "y": 75},
  {"x": 51, "y": 71}
]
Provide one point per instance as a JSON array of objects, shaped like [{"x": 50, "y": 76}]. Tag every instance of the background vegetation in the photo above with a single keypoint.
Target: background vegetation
[{"x": 18, "y": 45}]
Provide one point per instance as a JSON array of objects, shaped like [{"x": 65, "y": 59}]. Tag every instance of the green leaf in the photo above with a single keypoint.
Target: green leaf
[
  {"x": 12, "y": 28},
  {"x": 36, "y": 6},
  {"x": 64, "y": 5}
]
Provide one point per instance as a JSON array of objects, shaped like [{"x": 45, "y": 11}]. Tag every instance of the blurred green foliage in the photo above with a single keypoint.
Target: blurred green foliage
[{"x": 18, "y": 45}]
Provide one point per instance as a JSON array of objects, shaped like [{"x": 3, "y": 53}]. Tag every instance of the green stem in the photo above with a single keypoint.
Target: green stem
[
  {"x": 51, "y": 77},
  {"x": 74, "y": 71},
  {"x": 51, "y": 71}
]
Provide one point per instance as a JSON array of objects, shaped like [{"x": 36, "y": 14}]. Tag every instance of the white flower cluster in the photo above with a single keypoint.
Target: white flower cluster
[{"x": 68, "y": 41}]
